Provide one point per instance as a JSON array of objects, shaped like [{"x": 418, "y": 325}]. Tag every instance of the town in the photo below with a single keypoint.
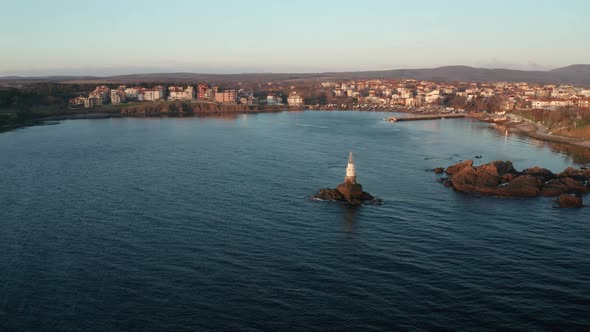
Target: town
[
  {"x": 356, "y": 94},
  {"x": 204, "y": 93}
]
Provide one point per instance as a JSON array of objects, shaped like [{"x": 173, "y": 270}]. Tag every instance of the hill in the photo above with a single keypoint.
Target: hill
[{"x": 574, "y": 74}]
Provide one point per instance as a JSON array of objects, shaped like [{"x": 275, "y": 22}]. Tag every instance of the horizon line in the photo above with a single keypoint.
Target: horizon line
[{"x": 280, "y": 72}]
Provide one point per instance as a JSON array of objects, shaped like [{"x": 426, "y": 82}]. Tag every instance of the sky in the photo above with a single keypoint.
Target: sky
[{"x": 109, "y": 37}]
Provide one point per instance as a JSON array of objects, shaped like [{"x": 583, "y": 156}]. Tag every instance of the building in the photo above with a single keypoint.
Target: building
[
  {"x": 249, "y": 100},
  {"x": 91, "y": 102},
  {"x": 210, "y": 93},
  {"x": 179, "y": 93},
  {"x": 154, "y": 94},
  {"x": 295, "y": 99},
  {"x": 102, "y": 94},
  {"x": 226, "y": 97},
  {"x": 78, "y": 101},
  {"x": 132, "y": 93},
  {"x": 561, "y": 103},
  {"x": 118, "y": 96},
  {"x": 202, "y": 91},
  {"x": 432, "y": 97},
  {"x": 273, "y": 99}
]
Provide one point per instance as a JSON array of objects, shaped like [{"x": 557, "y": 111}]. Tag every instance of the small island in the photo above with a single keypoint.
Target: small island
[
  {"x": 350, "y": 191},
  {"x": 499, "y": 178}
]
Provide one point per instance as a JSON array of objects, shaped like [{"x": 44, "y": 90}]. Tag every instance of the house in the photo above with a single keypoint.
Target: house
[{"x": 294, "y": 99}]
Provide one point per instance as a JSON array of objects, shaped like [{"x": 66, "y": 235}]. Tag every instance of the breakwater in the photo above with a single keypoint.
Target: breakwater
[{"x": 426, "y": 117}]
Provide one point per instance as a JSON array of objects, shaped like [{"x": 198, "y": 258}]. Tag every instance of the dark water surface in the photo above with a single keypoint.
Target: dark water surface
[{"x": 201, "y": 224}]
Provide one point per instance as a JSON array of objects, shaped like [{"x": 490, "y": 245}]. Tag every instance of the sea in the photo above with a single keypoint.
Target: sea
[{"x": 206, "y": 224}]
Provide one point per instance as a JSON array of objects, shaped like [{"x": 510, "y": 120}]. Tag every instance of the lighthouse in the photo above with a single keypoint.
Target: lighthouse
[
  {"x": 349, "y": 191},
  {"x": 350, "y": 171}
]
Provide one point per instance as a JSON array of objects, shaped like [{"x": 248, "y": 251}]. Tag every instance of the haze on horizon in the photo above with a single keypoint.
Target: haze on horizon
[{"x": 69, "y": 37}]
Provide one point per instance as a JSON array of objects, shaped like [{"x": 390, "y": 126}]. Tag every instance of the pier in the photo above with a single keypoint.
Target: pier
[{"x": 426, "y": 117}]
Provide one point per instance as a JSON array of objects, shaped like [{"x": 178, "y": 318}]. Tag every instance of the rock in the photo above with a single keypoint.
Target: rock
[
  {"x": 507, "y": 178},
  {"x": 439, "y": 170},
  {"x": 568, "y": 201},
  {"x": 465, "y": 179},
  {"x": 350, "y": 190},
  {"x": 576, "y": 174},
  {"x": 560, "y": 186},
  {"x": 503, "y": 167},
  {"x": 349, "y": 193},
  {"x": 445, "y": 181},
  {"x": 328, "y": 194},
  {"x": 499, "y": 178},
  {"x": 451, "y": 170},
  {"x": 483, "y": 179},
  {"x": 478, "y": 157},
  {"x": 496, "y": 178},
  {"x": 367, "y": 197},
  {"x": 521, "y": 186},
  {"x": 543, "y": 173}
]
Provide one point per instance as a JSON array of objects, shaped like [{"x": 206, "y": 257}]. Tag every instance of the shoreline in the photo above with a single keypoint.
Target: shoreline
[
  {"x": 130, "y": 112},
  {"x": 540, "y": 132},
  {"x": 526, "y": 127}
]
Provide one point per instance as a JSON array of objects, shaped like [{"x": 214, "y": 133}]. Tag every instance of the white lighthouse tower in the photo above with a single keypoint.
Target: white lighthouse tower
[{"x": 350, "y": 171}]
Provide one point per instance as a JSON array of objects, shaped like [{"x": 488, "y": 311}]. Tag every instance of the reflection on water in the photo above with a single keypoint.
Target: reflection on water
[
  {"x": 350, "y": 214},
  {"x": 219, "y": 116},
  {"x": 577, "y": 154}
]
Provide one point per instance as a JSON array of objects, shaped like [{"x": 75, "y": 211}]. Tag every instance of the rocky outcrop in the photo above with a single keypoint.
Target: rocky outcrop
[
  {"x": 557, "y": 187},
  {"x": 439, "y": 170},
  {"x": 521, "y": 186},
  {"x": 576, "y": 174},
  {"x": 458, "y": 167},
  {"x": 328, "y": 194},
  {"x": 347, "y": 193},
  {"x": 539, "y": 172},
  {"x": 352, "y": 192},
  {"x": 568, "y": 201},
  {"x": 499, "y": 178}
]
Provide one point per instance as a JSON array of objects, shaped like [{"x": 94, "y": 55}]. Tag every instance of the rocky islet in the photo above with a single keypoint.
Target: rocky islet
[{"x": 500, "y": 178}]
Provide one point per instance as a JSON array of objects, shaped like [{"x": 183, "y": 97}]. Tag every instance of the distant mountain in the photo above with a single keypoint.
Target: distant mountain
[{"x": 575, "y": 74}]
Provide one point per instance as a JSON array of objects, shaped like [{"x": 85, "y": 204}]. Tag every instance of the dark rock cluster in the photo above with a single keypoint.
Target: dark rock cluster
[
  {"x": 347, "y": 193},
  {"x": 499, "y": 178}
]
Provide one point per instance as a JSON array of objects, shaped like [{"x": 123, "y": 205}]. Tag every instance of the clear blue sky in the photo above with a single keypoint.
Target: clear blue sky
[{"x": 116, "y": 37}]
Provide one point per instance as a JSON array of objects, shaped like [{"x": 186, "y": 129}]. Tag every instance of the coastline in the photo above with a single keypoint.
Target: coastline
[
  {"x": 163, "y": 109},
  {"x": 177, "y": 109},
  {"x": 540, "y": 132}
]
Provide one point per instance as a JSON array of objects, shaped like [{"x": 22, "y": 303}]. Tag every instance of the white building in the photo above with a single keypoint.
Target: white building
[
  {"x": 540, "y": 104},
  {"x": 179, "y": 93},
  {"x": 561, "y": 103},
  {"x": 151, "y": 95},
  {"x": 432, "y": 97},
  {"x": 118, "y": 96},
  {"x": 295, "y": 99},
  {"x": 132, "y": 93},
  {"x": 272, "y": 99}
]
